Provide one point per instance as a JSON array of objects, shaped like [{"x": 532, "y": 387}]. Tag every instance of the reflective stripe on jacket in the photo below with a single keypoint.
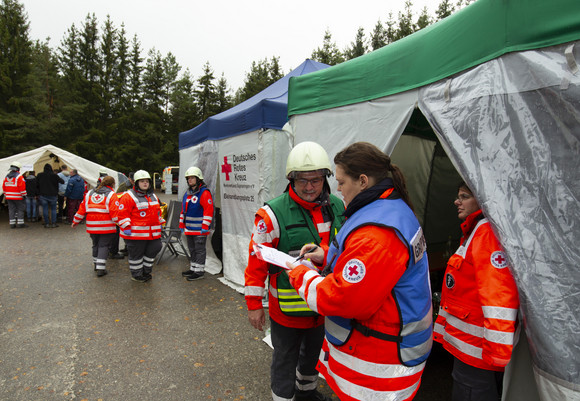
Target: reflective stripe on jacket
[
  {"x": 100, "y": 209},
  {"x": 479, "y": 303},
  {"x": 361, "y": 287},
  {"x": 411, "y": 294},
  {"x": 268, "y": 231},
  {"x": 196, "y": 212},
  {"x": 141, "y": 214},
  {"x": 14, "y": 186}
]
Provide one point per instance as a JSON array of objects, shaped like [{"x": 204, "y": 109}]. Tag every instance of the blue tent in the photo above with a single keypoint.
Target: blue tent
[{"x": 267, "y": 109}]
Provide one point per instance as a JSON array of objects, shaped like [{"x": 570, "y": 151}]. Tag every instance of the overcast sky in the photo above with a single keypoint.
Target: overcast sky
[{"x": 230, "y": 34}]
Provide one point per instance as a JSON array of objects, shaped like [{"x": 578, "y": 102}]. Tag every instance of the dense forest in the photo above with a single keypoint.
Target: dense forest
[{"x": 99, "y": 94}]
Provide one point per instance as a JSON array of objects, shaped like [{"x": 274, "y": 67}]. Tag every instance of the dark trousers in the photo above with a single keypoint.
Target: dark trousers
[
  {"x": 72, "y": 206},
  {"x": 101, "y": 244},
  {"x": 196, "y": 246},
  {"x": 16, "y": 210},
  {"x": 114, "y": 249},
  {"x": 475, "y": 384},
  {"x": 61, "y": 208},
  {"x": 294, "y": 359},
  {"x": 142, "y": 255}
]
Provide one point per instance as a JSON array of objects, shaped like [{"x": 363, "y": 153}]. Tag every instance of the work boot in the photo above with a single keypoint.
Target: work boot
[
  {"x": 21, "y": 225},
  {"x": 187, "y": 273},
  {"x": 116, "y": 256},
  {"x": 101, "y": 272},
  {"x": 139, "y": 279},
  {"x": 54, "y": 225},
  {"x": 12, "y": 225},
  {"x": 194, "y": 276},
  {"x": 147, "y": 276}
]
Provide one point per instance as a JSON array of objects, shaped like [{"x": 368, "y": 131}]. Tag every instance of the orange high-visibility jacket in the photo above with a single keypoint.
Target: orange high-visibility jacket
[
  {"x": 100, "y": 209},
  {"x": 267, "y": 232},
  {"x": 14, "y": 188},
  {"x": 140, "y": 214},
  {"x": 479, "y": 303}
]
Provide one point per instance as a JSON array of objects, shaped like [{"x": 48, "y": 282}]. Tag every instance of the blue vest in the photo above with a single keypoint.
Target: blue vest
[
  {"x": 192, "y": 210},
  {"x": 412, "y": 293}
]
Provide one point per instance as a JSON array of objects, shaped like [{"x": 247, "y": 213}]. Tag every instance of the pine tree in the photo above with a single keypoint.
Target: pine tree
[
  {"x": 406, "y": 25},
  {"x": 358, "y": 47},
  {"x": 444, "y": 10},
  {"x": 205, "y": 93},
  {"x": 378, "y": 36},
  {"x": 262, "y": 74},
  {"x": 328, "y": 53},
  {"x": 424, "y": 19}
]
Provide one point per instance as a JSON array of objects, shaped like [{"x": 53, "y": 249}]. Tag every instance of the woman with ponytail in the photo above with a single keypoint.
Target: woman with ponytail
[
  {"x": 375, "y": 294},
  {"x": 99, "y": 206}
]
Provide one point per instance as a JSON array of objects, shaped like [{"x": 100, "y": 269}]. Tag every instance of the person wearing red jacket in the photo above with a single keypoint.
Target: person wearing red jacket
[
  {"x": 374, "y": 290},
  {"x": 305, "y": 212},
  {"x": 100, "y": 209},
  {"x": 195, "y": 221},
  {"x": 14, "y": 188},
  {"x": 479, "y": 305},
  {"x": 140, "y": 222}
]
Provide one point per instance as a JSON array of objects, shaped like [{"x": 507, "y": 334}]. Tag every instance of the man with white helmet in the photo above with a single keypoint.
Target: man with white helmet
[
  {"x": 14, "y": 188},
  {"x": 195, "y": 221},
  {"x": 140, "y": 223},
  {"x": 305, "y": 213}
]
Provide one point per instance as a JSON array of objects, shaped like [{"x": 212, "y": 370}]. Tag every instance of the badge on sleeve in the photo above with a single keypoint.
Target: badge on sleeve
[
  {"x": 354, "y": 271},
  {"x": 121, "y": 206},
  {"x": 498, "y": 260},
  {"x": 261, "y": 227}
]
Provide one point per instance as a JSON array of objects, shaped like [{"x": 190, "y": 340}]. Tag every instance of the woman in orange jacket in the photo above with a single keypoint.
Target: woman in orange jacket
[
  {"x": 100, "y": 208},
  {"x": 375, "y": 296},
  {"x": 479, "y": 305}
]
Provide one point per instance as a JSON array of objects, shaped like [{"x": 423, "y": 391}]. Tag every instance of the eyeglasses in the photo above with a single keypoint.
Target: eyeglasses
[
  {"x": 463, "y": 197},
  {"x": 304, "y": 182}
]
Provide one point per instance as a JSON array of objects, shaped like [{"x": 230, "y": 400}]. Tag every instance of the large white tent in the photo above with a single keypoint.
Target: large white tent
[
  {"x": 34, "y": 160},
  {"x": 242, "y": 153},
  {"x": 499, "y": 85}
]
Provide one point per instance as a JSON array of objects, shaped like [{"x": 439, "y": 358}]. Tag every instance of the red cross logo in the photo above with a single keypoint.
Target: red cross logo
[
  {"x": 262, "y": 226},
  {"x": 352, "y": 270},
  {"x": 498, "y": 260},
  {"x": 226, "y": 168}
]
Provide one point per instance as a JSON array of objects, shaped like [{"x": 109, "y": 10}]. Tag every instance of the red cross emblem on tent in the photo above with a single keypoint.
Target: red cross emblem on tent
[
  {"x": 354, "y": 271},
  {"x": 498, "y": 260},
  {"x": 226, "y": 168}
]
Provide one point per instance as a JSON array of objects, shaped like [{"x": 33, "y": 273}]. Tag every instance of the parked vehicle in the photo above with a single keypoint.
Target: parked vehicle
[{"x": 170, "y": 176}]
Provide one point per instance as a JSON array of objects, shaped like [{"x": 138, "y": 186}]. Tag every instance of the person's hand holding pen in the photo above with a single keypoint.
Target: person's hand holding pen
[{"x": 309, "y": 251}]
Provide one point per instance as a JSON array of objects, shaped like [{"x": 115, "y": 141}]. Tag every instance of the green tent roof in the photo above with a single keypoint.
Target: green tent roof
[{"x": 480, "y": 32}]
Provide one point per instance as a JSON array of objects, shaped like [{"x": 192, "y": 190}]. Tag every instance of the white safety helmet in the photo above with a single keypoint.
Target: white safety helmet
[
  {"x": 307, "y": 156},
  {"x": 16, "y": 164},
  {"x": 194, "y": 172},
  {"x": 141, "y": 175}
]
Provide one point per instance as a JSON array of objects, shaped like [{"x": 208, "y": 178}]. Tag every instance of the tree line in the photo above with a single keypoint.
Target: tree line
[{"x": 97, "y": 95}]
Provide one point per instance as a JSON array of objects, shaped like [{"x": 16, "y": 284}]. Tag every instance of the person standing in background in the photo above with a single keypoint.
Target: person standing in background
[
  {"x": 100, "y": 208},
  {"x": 48, "y": 191},
  {"x": 140, "y": 223},
  {"x": 14, "y": 188},
  {"x": 64, "y": 175},
  {"x": 195, "y": 221},
  {"x": 75, "y": 191},
  {"x": 31, "y": 196},
  {"x": 477, "y": 317}
]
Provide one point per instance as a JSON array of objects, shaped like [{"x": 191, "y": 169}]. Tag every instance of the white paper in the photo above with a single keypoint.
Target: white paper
[{"x": 274, "y": 256}]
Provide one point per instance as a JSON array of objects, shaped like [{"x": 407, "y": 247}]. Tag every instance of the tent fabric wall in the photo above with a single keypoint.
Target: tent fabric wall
[
  {"x": 36, "y": 159},
  {"x": 511, "y": 128},
  {"x": 516, "y": 140}
]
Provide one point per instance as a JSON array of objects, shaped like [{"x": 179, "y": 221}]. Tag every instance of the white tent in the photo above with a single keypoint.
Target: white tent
[
  {"x": 34, "y": 160},
  {"x": 499, "y": 84}
]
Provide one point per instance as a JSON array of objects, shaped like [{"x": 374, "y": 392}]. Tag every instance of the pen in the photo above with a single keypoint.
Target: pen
[{"x": 304, "y": 254}]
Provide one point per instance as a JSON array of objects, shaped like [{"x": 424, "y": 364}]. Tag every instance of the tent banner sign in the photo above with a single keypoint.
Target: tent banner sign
[{"x": 239, "y": 179}]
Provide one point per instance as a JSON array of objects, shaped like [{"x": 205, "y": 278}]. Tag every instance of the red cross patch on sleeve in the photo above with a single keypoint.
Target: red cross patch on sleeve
[
  {"x": 498, "y": 260},
  {"x": 354, "y": 271}
]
